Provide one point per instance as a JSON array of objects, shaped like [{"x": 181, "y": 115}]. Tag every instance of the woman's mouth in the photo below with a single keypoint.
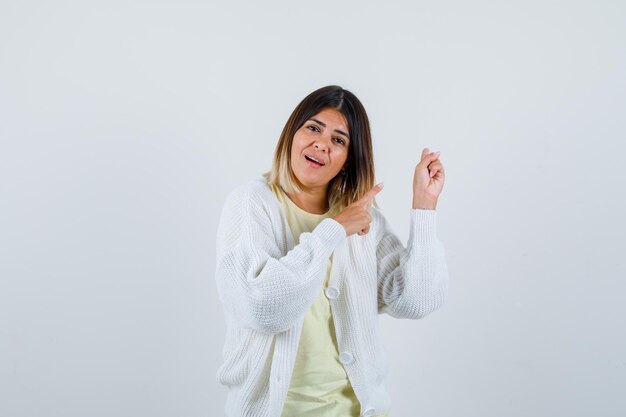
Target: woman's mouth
[{"x": 312, "y": 163}]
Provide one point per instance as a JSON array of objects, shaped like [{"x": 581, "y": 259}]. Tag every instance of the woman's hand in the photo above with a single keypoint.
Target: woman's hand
[
  {"x": 355, "y": 218},
  {"x": 427, "y": 181}
]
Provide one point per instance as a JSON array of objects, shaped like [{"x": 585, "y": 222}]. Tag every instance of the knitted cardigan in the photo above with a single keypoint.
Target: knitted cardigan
[{"x": 266, "y": 284}]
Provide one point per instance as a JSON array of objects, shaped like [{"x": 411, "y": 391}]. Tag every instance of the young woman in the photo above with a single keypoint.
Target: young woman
[{"x": 306, "y": 261}]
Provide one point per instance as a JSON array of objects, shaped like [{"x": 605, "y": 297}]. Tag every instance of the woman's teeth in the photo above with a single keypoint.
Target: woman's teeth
[{"x": 313, "y": 161}]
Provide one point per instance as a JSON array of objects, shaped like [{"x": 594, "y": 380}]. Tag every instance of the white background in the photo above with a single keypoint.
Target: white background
[{"x": 124, "y": 124}]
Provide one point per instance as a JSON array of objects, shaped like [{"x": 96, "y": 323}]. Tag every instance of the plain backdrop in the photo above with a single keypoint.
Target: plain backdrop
[{"x": 124, "y": 124}]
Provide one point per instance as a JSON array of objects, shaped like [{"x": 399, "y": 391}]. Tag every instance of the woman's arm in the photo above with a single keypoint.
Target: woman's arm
[
  {"x": 262, "y": 289},
  {"x": 412, "y": 281}
]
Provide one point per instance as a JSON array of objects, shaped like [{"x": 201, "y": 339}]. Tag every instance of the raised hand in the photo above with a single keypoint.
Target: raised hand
[
  {"x": 356, "y": 217},
  {"x": 427, "y": 180}
]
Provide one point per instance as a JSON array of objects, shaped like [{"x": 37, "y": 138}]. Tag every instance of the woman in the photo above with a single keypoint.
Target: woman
[{"x": 306, "y": 262}]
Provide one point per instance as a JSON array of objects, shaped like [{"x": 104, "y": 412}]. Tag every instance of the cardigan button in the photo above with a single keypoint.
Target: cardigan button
[
  {"x": 331, "y": 292},
  {"x": 345, "y": 358},
  {"x": 368, "y": 413}
]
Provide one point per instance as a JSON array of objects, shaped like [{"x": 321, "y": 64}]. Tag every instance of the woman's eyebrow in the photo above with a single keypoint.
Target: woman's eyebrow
[{"x": 336, "y": 130}]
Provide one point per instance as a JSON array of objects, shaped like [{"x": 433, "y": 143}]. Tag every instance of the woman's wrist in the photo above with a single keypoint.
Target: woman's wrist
[{"x": 424, "y": 204}]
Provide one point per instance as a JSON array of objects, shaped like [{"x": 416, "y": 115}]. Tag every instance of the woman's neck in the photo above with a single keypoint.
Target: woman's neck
[{"x": 312, "y": 200}]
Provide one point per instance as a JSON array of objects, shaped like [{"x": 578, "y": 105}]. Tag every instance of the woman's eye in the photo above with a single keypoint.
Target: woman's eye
[{"x": 315, "y": 128}]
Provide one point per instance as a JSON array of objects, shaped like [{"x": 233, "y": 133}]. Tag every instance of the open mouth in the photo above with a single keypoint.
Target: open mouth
[{"x": 313, "y": 162}]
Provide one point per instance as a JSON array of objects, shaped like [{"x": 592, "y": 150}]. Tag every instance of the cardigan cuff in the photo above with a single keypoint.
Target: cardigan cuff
[
  {"x": 423, "y": 227},
  {"x": 331, "y": 233}
]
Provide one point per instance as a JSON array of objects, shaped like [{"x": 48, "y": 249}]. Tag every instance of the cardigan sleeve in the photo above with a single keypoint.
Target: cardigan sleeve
[
  {"x": 412, "y": 281},
  {"x": 262, "y": 289}
]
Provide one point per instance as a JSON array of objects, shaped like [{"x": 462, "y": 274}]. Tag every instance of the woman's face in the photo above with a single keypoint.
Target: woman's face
[{"x": 324, "y": 137}]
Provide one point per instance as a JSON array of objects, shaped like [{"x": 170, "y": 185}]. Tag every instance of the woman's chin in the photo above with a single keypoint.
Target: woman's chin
[{"x": 312, "y": 180}]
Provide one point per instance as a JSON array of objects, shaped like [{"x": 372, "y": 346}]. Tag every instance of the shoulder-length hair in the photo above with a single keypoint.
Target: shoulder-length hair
[{"x": 358, "y": 178}]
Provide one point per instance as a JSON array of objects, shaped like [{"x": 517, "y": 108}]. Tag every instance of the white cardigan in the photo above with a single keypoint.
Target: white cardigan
[{"x": 266, "y": 285}]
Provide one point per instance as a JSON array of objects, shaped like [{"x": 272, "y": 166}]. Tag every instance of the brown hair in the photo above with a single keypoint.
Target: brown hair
[{"x": 358, "y": 178}]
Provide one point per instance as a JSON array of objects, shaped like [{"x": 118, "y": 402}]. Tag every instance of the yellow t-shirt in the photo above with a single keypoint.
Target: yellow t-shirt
[{"x": 319, "y": 384}]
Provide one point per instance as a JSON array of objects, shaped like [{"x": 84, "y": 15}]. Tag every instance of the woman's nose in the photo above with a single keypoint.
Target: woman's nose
[{"x": 321, "y": 144}]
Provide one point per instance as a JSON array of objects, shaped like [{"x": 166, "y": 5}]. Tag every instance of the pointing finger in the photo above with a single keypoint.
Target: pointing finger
[{"x": 370, "y": 194}]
